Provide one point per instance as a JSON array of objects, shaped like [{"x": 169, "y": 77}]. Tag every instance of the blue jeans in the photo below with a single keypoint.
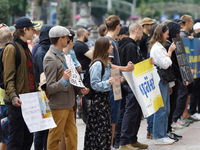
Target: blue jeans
[
  {"x": 160, "y": 122},
  {"x": 150, "y": 123}
]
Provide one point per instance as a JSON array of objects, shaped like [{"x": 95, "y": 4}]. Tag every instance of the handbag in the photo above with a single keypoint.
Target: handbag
[{"x": 166, "y": 75}]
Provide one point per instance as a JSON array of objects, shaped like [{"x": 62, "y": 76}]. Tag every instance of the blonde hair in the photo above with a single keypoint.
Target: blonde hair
[{"x": 6, "y": 36}]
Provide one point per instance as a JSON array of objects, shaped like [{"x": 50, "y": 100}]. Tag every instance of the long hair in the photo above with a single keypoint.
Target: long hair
[
  {"x": 101, "y": 47},
  {"x": 157, "y": 35}
]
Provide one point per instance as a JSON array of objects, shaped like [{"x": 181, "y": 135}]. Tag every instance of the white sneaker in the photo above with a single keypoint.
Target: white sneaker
[
  {"x": 167, "y": 138},
  {"x": 175, "y": 125},
  {"x": 163, "y": 141},
  {"x": 196, "y": 116}
]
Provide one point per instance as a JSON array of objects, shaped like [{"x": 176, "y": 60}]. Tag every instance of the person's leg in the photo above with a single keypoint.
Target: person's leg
[
  {"x": 194, "y": 97},
  {"x": 160, "y": 123},
  {"x": 182, "y": 95},
  {"x": 55, "y": 134},
  {"x": 3, "y": 146},
  {"x": 150, "y": 126},
  {"x": 185, "y": 113},
  {"x": 16, "y": 127},
  {"x": 28, "y": 138},
  {"x": 70, "y": 131},
  {"x": 40, "y": 139},
  {"x": 62, "y": 144},
  {"x": 131, "y": 120}
]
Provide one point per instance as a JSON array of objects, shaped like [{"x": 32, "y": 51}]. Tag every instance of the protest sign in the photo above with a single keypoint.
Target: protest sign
[
  {"x": 36, "y": 112},
  {"x": 75, "y": 78},
  {"x": 192, "y": 49},
  {"x": 117, "y": 85},
  {"x": 184, "y": 66},
  {"x": 144, "y": 83}
]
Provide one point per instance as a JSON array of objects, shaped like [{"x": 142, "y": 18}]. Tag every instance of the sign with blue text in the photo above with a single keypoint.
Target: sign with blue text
[{"x": 144, "y": 83}]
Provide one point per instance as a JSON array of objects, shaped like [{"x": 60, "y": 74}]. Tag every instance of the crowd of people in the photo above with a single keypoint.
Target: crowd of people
[{"x": 110, "y": 124}]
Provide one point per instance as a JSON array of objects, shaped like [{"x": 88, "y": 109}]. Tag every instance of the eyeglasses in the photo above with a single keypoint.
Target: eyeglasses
[{"x": 3, "y": 25}]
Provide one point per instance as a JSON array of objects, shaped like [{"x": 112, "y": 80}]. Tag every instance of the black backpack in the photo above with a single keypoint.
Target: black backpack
[
  {"x": 86, "y": 80},
  {"x": 17, "y": 61}
]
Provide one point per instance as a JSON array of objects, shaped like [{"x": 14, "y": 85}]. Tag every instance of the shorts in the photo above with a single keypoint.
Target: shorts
[
  {"x": 4, "y": 125},
  {"x": 115, "y": 108}
]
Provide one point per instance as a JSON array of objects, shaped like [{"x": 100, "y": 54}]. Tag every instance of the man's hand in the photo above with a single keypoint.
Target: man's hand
[
  {"x": 130, "y": 66},
  {"x": 111, "y": 81},
  {"x": 85, "y": 91},
  {"x": 170, "y": 91},
  {"x": 121, "y": 79},
  {"x": 16, "y": 101},
  {"x": 67, "y": 74},
  {"x": 191, "y": 37},
  {"x": 79, "y": 68}
]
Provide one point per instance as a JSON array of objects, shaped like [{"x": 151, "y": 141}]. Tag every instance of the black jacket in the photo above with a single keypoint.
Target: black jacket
[
  {"x": 128, "y": 51},
  {"x": 44, "y": 45}
]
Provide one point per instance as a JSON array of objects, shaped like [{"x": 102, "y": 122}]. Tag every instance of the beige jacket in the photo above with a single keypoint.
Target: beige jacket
[{"x": 62, "y": 96}]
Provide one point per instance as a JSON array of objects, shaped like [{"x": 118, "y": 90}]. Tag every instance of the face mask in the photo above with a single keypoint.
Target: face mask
[{"x": 85, "y": 39}]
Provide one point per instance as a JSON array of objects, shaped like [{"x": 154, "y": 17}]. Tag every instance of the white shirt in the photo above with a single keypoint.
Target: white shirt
[{"x": 159, "y": 54}]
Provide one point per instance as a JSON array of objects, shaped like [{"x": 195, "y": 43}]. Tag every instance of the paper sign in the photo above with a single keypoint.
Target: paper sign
[
  {"x": 75, "y": 79},
  {"x": 36, "y": 112},
  {"x": 117, "y": 85},
  {"x": 144, "y": 83}
]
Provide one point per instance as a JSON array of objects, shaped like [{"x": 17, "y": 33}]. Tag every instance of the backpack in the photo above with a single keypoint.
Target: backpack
[
  {"x": 17, "y": 61},
  {"x": 86, "y": 80}
]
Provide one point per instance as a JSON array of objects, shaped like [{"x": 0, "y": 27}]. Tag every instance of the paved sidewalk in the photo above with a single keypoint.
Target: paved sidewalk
[{"x": 190, "y": 141}]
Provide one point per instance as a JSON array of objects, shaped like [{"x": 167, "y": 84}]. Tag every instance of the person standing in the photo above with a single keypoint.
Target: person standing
[
  {"x": 18, "y": 81},
  {"x": 162, "y": 59},
  {"x": 62, "y": 94}
]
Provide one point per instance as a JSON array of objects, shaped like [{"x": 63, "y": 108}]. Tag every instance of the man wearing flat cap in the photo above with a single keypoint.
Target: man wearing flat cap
[
  {"x": 62, "y": 94},
  {"x": 146, "y": 24},
  {"x": 18, "y": 79}
]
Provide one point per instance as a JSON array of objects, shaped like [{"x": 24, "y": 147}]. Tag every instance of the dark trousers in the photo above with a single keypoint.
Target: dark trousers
[
  {"x": 131, "y": 119},
  {"x": 19, "y": 137},
  {"x": 119, "y": 124},
  {"x": 173, "y": 98},
  {"x": 195, "y": 97},
  {"x": 182, "y": 95},
  {"x": 40, "y": 140}
]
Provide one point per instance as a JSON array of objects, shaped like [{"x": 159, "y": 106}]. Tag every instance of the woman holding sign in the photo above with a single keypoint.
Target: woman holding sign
[
  {"x": 98, "y": 127},
  {"x": 163, "y": 61}
]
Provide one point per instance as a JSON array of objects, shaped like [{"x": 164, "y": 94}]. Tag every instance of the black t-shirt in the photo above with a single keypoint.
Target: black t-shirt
[
  {"x": 80, "y": 49},
  {"x": 143, "y": 46}
]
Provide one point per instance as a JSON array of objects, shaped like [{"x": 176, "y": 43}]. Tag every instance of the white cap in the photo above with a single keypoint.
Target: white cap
[
  {"x": 196, "y": 26},
  {"x": 58, "y": 31}
]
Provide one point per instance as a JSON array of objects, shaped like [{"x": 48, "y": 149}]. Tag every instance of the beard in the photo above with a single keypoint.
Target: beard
[{"x": 85, "y": 39}]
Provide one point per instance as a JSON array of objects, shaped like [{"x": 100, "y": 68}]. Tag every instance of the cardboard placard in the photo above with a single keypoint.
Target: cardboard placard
[
  {"x": 117, "y": 85},
  {"x": 183, "y": 63}
]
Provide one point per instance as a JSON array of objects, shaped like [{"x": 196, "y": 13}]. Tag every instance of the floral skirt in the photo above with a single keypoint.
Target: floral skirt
[{"x": 98, "y": 128}]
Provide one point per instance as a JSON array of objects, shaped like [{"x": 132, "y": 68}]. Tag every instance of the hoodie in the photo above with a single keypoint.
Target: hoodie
[
  {"x": 44, "y": 45},
  {"x": 128, "y": 51}
]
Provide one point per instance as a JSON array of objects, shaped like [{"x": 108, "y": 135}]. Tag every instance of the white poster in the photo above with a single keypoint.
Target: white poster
[
  {"x": 144, "y": 83},
  {"x": 36, "y": 112},
  {"x": 75, "y": 79}
]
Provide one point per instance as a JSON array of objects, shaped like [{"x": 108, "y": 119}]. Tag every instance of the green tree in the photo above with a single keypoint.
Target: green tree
[
  {"x": 64, "y": 15},
  {"x": 4, "y": 11}
]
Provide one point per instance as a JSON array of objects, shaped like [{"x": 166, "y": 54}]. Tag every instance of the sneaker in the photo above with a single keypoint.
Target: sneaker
[
  {"x": 196, "y": 116},
  {"x": 163, "y": 141},
  {"x": 175, "y": 125},
  {"x": 149, "y": 135},
  {"x": 188, "y": 120},
  {"x": 177, "y": 136},
  {"x": 140, "y": 145},
  {"x": 172, "y": 136},
  {"x": 127, "y": 147},
  {"x": 183, "y": 122}
]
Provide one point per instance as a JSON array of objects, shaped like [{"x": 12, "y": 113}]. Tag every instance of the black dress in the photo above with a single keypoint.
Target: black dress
[{"x": 98, "y": 128}]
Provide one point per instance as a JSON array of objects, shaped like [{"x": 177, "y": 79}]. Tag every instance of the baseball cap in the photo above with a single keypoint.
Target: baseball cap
[
  {"x": 58, "y": 31},
  {"x": 178, "y": 20},
  {"x": 87, "y": 28},
  {"x": 147, "y": 21},
  {"x": 124, "y": 30},
  {"x": 196, "y": 26},
  {"x": 24, "y": 22}
]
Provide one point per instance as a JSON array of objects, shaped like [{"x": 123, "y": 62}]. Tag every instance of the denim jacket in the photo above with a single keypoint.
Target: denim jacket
[{"x": 95, "y": 77}]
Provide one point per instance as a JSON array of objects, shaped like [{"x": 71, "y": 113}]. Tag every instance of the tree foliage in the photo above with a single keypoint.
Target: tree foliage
[
  {"x": 4, "y": 11},
  {"x": 64, "y": 15}
]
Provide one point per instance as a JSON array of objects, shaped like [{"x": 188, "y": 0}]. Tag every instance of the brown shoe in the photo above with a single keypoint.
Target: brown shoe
[
  {"x": 140, "y": 145},
  {"x": 149, "y": 135},
  {"x": 127, "y": 147}
]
